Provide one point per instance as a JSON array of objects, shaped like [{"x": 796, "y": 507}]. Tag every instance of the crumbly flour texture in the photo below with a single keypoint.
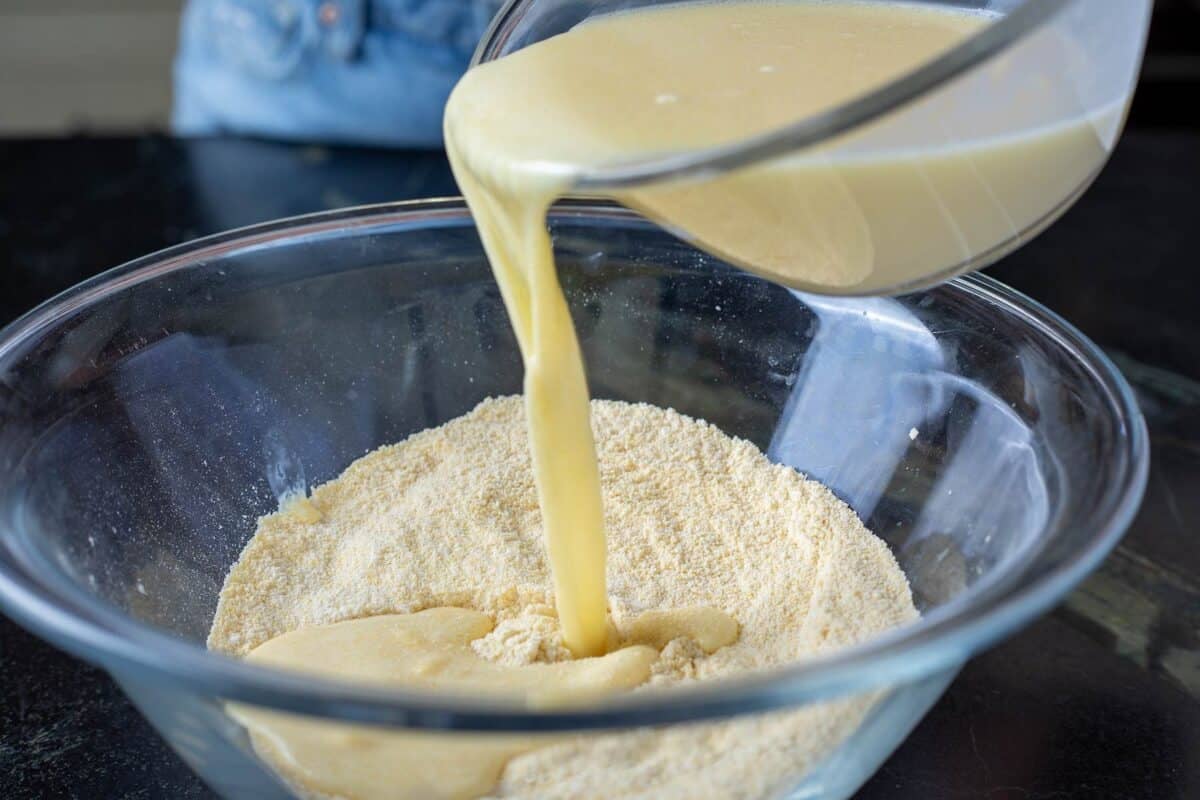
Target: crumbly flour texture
[{"x": 449, "y": 517}]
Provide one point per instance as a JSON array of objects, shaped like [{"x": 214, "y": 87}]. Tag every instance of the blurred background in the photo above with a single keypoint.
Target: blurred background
[
  {"x": 98, "y": 66},
  {"x": 70, "y": 67},
  {"x": 1100, "y": 699}
]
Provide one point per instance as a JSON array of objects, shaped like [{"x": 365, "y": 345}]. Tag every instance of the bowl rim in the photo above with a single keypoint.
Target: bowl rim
[{"x": 69, "y": 617}]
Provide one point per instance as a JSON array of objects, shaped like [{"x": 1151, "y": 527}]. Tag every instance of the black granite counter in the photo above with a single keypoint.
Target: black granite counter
[{"x": 1099, "y": 699}]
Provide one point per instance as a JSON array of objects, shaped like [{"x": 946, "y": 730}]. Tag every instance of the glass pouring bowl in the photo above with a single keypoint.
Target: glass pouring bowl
[
  {"x": 1039, "y": 69},
  {"x": 150, "y": 415}
]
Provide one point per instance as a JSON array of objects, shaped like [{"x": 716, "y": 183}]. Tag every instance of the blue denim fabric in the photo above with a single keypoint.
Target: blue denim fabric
[{"x": 353, "y": 71}]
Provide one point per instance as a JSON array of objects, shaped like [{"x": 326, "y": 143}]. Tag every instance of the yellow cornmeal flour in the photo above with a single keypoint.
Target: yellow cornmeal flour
[{"x": 695, "y": 520}]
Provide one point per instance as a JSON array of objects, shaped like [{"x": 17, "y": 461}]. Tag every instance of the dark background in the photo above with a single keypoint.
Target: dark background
[{"x": 1099, "y": 699}]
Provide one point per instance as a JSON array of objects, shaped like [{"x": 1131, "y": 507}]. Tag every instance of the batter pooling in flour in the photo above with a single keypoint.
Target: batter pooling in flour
[{"x": 519, "y": 129}]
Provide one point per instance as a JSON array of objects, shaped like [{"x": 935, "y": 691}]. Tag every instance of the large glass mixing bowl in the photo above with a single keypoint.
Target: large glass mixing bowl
[{"x": 150, "y": 415}]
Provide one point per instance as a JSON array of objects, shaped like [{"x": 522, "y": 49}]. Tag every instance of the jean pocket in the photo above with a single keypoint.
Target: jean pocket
[{"x": 266, "y": 39}]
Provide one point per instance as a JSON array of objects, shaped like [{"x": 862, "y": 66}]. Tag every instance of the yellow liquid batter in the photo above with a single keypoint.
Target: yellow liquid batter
[
  {"x": 883, "y": 206},
  {"x": 431, "y": 649},
  {"x": 684, "y": 76}
]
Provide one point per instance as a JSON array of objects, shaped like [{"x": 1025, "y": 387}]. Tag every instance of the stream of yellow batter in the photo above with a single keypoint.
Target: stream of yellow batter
[
  {"x": 618, "y": 88},
  {"x": 518, "y": 131}
]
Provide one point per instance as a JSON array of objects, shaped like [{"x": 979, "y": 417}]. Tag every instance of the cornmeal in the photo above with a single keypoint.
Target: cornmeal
[{"x": 707, "y": 540}]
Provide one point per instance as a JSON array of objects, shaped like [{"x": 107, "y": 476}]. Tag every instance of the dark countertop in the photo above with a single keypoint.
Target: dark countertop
[{"x": 1101, "y": 698}]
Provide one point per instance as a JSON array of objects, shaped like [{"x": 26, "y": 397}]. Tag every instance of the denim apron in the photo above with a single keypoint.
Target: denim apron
[{"x": 339, "y": 71}]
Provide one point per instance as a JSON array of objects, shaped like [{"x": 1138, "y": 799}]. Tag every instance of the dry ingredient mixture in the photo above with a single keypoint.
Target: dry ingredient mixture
[{"x": 695, "y": 520}]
